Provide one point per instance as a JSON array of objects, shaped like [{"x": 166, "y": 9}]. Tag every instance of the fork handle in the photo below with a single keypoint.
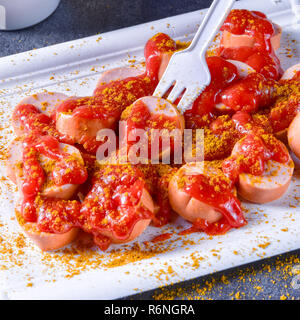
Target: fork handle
[{"x": 211, "y": 24}]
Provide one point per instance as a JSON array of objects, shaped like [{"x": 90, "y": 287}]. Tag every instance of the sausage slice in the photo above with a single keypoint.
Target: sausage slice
[
  {"x": 14, "y": 170},
  {"x": 230, "y": 40},
  {"x": 269, "y": 187},
  {"x": 294, "y": 134}
]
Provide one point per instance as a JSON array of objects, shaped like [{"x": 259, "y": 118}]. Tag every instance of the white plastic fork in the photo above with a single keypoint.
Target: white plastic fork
[{"x": 187, "y": 69}]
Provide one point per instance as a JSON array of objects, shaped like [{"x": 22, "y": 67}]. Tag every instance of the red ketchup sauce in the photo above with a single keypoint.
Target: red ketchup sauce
[
  {"x": 33, "y": 122},
  {"x": 162, "y": 237},
  {"x": 164, "y": 214},
  {"x": 138, "y": 116},
  {"x": 297, "y": 76},
  {"x": 249, "y": 94},
  {"x": 111, "y": 99},
  {"x": 287, "y": 106},
  {"x": 255, "y": 148},
  {"x": 113, "y": 206},
  {"x": 66, "y": 171},
  {"x": 223, "y": 73},
  {"x": 261, "y": 56},
  {"x": 217, "y": 192}
]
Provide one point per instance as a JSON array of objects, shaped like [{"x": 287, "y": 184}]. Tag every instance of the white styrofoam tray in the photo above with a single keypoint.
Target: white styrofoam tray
[{"x": 73, "y": 68}]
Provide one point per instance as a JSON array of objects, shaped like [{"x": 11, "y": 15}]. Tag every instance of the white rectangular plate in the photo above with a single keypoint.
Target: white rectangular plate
[{"x": 73, "y": 68}]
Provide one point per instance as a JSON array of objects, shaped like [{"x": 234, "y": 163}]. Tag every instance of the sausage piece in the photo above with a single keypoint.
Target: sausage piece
[
  {"x": 244, "y": 70},
  {"x": 291, "y": 72},
  {"x": 269, "y": 187},
  {"x": 76, "y": 127},
  {"x": 294, "y": 134},
  {"x": 230, "y": 40},
  {"x": 185, "y": 205},
  {"x": 145, "y": 201},
  {"x": 118, "y": 74},
  {"x": 153, "y": 113},
  {"x": 44, "y": 240},
  {"x": 44, "y": 101},
  {"x": 14, "y": 170}
]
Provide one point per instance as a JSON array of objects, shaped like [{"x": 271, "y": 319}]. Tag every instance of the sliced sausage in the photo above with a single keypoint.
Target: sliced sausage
[
  {"x": 118, "y": 74},
  {"x": 244, "y": 70},
  {"x": 146, "y": 202},
  {"x": 230, "y": 40},
  {"x": 186, "y": 206},
  {"x": 76, "y": 127},
  {"x": 14, "y": 170},
  {"x": 270, "y": 186},
  {"x": 159, "y": 106},
  {"x": 294, "y": 134},
  {"x": 154, "y": 113},
  {"x": 291, "y": 72},
  {"x": 46, "y": 102},
  {"x": 42, "y": 106},
  {"x": 44, "y": 240},
  {"x": 118, "y": 207}
]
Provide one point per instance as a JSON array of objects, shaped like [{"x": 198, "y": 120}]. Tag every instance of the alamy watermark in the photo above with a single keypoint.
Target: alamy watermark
[{"x": 139, "y": 146}]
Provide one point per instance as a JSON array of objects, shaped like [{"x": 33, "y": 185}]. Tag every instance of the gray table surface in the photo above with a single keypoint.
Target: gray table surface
[{"x": 267, "y": 279}]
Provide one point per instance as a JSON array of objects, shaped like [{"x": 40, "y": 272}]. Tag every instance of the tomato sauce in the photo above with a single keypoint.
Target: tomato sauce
[
  {"x": 261, "y": 56},
  {"x": 33, "y": 122},
  {"x": 217, "y": 192},
  {"x": 223, "y": 74},
  {"x": 138, "y": 116},
  {"x": 253, "y": 151},
  {"x": 56, "y": 216},
  {"x": 113, "y": 195},
  {"x": 113, "y": 206},
  {"x": 162, "y": 237},
  {"x": 249, "y": 94},
  {"x": 66, "y": 171}
]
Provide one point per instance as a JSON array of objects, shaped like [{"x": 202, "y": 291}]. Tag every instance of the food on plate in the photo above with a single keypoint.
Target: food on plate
[
  {"x": 33, "y": 114},
  {"x": 246, "y": 39},
  {"x": 293, "y": 135},
  {"x": 56, "y": 182},
  {"x": 203, "y": 195},
  {"x": 46, "y": 241},
  {"x": 80, "y": 118},
  {"x": 269, "y": 187},
  {"x": 158, "y": 118},
  {"x": 259, "y": 39},
  {"x": 292, "y": 73},
  {"x": 249, "y": 116},
  {"x": 118, "y": 74},
  {"x": 262, "y": 167},
  {"x": 119, "y": 207}
]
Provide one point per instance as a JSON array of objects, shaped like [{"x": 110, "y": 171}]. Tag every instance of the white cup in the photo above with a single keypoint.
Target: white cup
[{"x": 19, "y": 14}]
